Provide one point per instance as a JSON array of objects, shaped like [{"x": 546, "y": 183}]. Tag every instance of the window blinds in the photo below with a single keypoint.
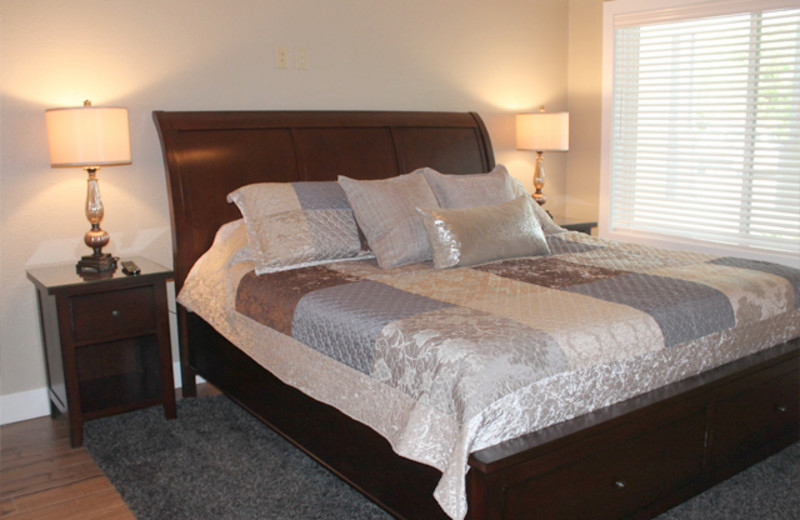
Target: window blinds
[{"x": 705, "y": 127}]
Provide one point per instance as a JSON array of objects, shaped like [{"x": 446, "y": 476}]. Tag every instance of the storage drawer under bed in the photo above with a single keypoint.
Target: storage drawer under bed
[
  {"x": 620, "y": 478},
  {"x": 645, "y": 463}
]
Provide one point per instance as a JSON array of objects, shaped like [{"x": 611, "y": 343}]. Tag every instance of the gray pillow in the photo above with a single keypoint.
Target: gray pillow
[
  {"x": 470, "y": 236},
  {"x": 464, "y": 191},
  {"x": 385, "y": 211}
]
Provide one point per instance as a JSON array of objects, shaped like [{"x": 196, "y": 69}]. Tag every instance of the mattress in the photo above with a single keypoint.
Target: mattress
[{"x": 445, "y": 362}]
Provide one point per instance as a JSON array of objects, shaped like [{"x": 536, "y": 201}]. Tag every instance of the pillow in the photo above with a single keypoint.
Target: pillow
[
  {"x": 480, "y": 234},
  {"x": 548, "y": 226},
  {"x": 385, "y": 211},
  {"x": 464, "y": 191},
  {"x": 298, "y": 224}
]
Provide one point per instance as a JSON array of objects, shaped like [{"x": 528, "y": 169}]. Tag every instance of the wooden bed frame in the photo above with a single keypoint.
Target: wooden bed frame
[{"x": 631, "y": 460}]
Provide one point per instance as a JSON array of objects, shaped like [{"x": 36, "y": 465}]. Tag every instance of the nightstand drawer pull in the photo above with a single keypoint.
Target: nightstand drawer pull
[
  {"x": 781, "y": 408},
  {"x": 115, "y": 313},
  {"x": 620, "y": 484}
]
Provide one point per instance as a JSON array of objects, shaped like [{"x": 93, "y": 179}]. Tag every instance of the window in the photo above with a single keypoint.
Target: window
[{"x": 701, "y": 123}]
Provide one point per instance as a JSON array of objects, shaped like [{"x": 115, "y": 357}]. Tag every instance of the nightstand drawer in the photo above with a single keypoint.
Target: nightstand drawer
[{"x": 111, "y": 314}]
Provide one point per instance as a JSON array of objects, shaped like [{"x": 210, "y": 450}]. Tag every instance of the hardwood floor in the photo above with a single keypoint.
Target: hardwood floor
[{"x": 41, "y": 477}]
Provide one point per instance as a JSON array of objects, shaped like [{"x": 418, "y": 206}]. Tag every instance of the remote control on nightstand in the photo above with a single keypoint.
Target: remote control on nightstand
[{"x": 130, "y": 268}]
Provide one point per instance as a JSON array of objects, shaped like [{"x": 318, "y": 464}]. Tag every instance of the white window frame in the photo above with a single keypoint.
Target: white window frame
[{"x": 636, "y": 12}]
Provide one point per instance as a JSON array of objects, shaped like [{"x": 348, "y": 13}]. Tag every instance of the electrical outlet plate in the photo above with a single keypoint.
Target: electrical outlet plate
[
  {"x": 301, "y": 58},
  {"x": 281, "y": 58}
]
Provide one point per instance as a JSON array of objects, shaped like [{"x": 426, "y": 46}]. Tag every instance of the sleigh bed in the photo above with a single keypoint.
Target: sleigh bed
[{"x": 631, "y": 446}]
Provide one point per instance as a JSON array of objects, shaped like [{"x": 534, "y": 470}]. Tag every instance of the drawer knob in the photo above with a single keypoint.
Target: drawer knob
[
  {"x": 781, "y": 408},
  {"x": 620, "y": 484},
  {"x": 115, "y": 313}
]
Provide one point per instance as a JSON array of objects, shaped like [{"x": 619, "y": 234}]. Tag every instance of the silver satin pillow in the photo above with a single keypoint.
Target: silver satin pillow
[{"x": 481, "y": 234}]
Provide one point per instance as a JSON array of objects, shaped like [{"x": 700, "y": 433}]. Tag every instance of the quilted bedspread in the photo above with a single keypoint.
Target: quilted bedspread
[{"x": 479, "y": 355}]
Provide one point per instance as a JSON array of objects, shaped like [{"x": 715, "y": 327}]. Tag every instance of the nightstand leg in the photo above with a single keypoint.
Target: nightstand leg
[
  {"x": 165, "y": 355},
  {"x": 167, "y": 384},
  {"x": 75, "y": 431}
]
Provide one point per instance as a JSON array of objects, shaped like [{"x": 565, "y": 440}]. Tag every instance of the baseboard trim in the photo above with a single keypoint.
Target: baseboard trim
[
  {"x": 31, "y": 404},
  {"x": 22, "y": 406}
]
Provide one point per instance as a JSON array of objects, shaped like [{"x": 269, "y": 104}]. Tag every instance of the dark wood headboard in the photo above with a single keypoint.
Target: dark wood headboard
[{"x": 209, "y": 154}]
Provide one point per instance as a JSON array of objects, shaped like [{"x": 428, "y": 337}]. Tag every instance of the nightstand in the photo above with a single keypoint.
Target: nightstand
[
  {"x": 106, "y": 341},
  {"x": 574, "y": 224}
]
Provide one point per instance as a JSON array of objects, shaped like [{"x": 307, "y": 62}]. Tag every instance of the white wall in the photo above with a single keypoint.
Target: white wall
[{"x": 496, "y": 58}]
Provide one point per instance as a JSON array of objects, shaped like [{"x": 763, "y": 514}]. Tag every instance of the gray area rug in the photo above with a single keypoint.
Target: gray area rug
[{"x": 217, "y": 462}]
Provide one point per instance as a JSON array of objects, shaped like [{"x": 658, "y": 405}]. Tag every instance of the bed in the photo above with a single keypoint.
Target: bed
[{"x": 589, "y": 462}]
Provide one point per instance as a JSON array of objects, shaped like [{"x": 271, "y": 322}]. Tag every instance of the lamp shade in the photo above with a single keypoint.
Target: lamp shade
[
  {"x": 543, "y": 131},
  {"x": 88, "y": 136}
]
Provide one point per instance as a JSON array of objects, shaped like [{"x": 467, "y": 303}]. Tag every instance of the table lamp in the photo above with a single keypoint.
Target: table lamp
[
  {"x": 90, "y": 137},
  {"x": 542, "y": 132}
]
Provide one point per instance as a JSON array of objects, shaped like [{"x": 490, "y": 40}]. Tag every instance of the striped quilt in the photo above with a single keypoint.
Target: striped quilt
[
  {"x": 445, "y": 362},
  {"x": 460, "y": 339}
]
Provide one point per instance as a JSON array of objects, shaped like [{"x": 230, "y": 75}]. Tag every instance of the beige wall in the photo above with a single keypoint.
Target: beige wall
[
  {"x": 496, "y": 58},
  {"x": 585, "y": 107}
]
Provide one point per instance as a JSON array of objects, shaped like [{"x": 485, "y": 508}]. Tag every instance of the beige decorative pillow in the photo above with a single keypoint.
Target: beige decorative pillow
[
  {"x": 385, "y": 211},
  {"x": 470, "y": 236},
  {"x": 477, "y": 189},
  {"x": 298, "y": 224}
]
